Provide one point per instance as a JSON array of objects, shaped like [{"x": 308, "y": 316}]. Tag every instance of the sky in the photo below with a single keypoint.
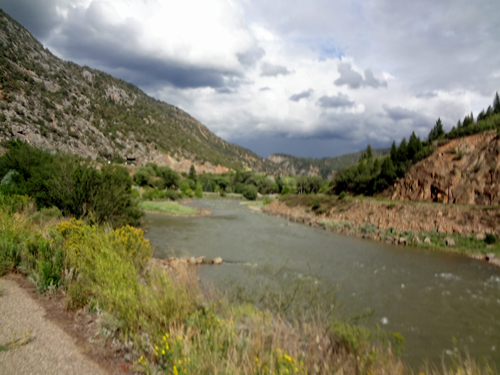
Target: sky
[{"x": 318, "y": 79}]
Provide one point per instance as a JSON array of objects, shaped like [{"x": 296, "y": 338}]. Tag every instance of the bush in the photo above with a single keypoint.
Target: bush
[
  {"x": 342, "y": 195},
  {"x": 198, "y": 191},
  {"x": 490, "y": 239},
  {"x": 71, "y": 184},
  {"x": 250, "y": 192}
]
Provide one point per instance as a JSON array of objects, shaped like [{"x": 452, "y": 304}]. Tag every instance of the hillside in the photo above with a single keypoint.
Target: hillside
[
  {"x": 463, "y": 171},
  {"x": 53, "y": 104},
  {"x": 320, "y": 167}
]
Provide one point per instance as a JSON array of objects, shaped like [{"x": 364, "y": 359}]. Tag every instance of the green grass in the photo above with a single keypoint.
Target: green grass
[{"x": 172, "y": 208}]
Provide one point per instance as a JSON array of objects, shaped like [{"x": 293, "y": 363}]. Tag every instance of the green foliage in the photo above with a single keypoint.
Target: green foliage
[
  {"x": 490, "y": 238},
  {"x": 69, "y": 183},
  {"x": 436, "y": 132},
  {"x": 143, "y": 177},
  {"x": 172, "y": 208},
  {"x": 198, "y": 191},
  {"x": 250, "y": 192},
  {"x": 170, "y": 179}
]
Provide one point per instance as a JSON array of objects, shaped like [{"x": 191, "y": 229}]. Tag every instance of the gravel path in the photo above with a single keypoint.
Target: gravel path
[{"x": 49, "y": 350}]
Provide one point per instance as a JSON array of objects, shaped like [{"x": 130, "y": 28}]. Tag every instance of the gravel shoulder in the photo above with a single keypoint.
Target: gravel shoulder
[{"x": 42, "y": 347}]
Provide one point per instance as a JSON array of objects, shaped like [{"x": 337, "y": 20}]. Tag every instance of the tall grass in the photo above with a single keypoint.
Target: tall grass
[
  {"x": 173, "y": 328},
  {"x": 172, "y": 208}
]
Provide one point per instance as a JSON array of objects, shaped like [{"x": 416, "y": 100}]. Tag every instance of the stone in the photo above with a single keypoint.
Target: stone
[
  {"x": 480, "y": 236},
  {"x": 427, "y": 240},
  {"x": 403, "y": 241},
  {"x": 218, "y": 260},
  {"x": 489, "y": 257},
  {"x": 416, "y": 239},
  {"x": 367, "y": 236},
  {"x": 199, "y": 260},
  {"x": 450, "y": 241}
]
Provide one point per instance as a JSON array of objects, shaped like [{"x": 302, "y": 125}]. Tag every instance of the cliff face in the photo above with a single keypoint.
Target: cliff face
[
  {"x": 464, "y": 171},
  {"x": 54, "y": 104}
]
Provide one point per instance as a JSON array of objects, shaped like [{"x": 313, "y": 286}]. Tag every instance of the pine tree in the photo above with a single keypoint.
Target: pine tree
[
  {"x": 496, "y": 103},
  {"x": 437, "y": 131},
  {"x": 459, "y": 124},
  {"x": 394, "y": 152},
  {"x": 414, "y": 146}
]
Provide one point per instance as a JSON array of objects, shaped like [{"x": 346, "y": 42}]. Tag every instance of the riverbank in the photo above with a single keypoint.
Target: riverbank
[{"x": 461, "y": 229}]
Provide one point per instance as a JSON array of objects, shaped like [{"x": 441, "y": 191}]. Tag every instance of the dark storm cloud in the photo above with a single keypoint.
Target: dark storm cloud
[
  {"x": 337, "y": 101},
  {"x": 88, "y": 38},
  {"x": 38, "y": 17},
  {"x": 302, "y": 95},
  {"x": 355, "y": 80},
  {"x": 417, "y": 122},
  {"x": 271, "y": 70}
]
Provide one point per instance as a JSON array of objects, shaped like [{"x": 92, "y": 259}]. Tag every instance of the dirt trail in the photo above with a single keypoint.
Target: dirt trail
[{"x": 50, "y": 350}]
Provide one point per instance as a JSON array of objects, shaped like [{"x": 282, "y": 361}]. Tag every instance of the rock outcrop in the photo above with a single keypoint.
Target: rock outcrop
[{"x": 463, "y": 171}]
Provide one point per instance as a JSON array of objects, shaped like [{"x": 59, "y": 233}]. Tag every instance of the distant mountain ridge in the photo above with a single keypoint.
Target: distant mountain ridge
[
  {"x": 325, "y": 167},
  {"x": 54, "y": 104}
]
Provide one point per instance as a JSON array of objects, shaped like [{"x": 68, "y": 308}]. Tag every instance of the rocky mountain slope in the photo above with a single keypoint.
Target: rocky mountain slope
[
  {"x": 325, "y": 167},
  {"x": 463, "y": 171},
  {"x": 55, "y": 104}
]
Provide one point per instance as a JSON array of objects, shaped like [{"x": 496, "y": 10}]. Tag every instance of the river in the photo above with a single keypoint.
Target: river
[{"x": 429, "y": 297}]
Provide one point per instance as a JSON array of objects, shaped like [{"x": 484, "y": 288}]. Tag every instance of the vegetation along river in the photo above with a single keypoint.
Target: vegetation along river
[{"x": 429, "y": 297}]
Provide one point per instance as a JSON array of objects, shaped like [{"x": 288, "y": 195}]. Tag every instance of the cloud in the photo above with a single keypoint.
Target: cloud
[
  {"x": 270, "y": 70},
  {"x": 39, "y": 17},
  {"x": 348, "y": 77},
  {"x": 354, "y": 80},
  {"x": 336, "y": 101},
  {"x": 302, "y": 95},
  {"x": 371, "y": 81},
  {"x": 250, "y": 57},
  {"x": 218, "y": 63}
]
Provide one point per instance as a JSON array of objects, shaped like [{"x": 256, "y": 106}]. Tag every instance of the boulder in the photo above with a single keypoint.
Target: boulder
[
  {"x": 480, "y": 236},
  {"x": 449, "y": 241},
  {"x": 489, "y": 257},
  {"x": 403, "y": 241},
  {"x": 367, "y": 236},
  {"x": 415, "y": 239},
  {"x": 218, "y": 260},
  {"x": 427, "y": 240}
]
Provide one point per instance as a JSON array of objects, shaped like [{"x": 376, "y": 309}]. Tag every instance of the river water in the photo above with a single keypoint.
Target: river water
[{"x": 429, "y": 297}]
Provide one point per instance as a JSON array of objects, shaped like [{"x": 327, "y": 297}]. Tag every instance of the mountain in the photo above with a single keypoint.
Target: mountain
[
  {"x": 325, "y": 167},
  {"x": 54, "y": 104}
]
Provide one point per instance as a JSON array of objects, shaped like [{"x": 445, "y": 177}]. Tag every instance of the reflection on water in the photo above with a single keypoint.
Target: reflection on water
[{"x": 429, "y": 297}]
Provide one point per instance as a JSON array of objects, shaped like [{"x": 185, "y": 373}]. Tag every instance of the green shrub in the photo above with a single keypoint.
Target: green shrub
[
  {"x": 250, "y": 192},
  {"x": 198, "y": 192},
  {"x": 342, "y": 195},
  {"x": 490, "y": 239}
]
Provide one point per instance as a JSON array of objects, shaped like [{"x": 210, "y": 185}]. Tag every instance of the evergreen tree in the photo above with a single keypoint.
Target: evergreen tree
[
  {"x": 403, "y": 151},
  {"x": 414, "y": 146},
  {"x": 437, "y": 131},
  {"x": 459, "y": 124},
  {"x": 496, "y": 103},
  {"x": 394, "y": 152},
  {"x": 192, "y": 173}
]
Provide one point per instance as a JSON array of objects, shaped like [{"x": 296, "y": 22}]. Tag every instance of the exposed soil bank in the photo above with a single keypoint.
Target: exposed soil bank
[{"x": 404, "y": 223}]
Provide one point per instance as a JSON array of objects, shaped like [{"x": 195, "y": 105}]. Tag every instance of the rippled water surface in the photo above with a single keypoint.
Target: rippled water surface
[{"x": 428, "y": 297}]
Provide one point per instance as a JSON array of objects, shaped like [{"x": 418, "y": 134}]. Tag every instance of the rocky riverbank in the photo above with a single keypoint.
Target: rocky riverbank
[{"x": 450, "y": 228}]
